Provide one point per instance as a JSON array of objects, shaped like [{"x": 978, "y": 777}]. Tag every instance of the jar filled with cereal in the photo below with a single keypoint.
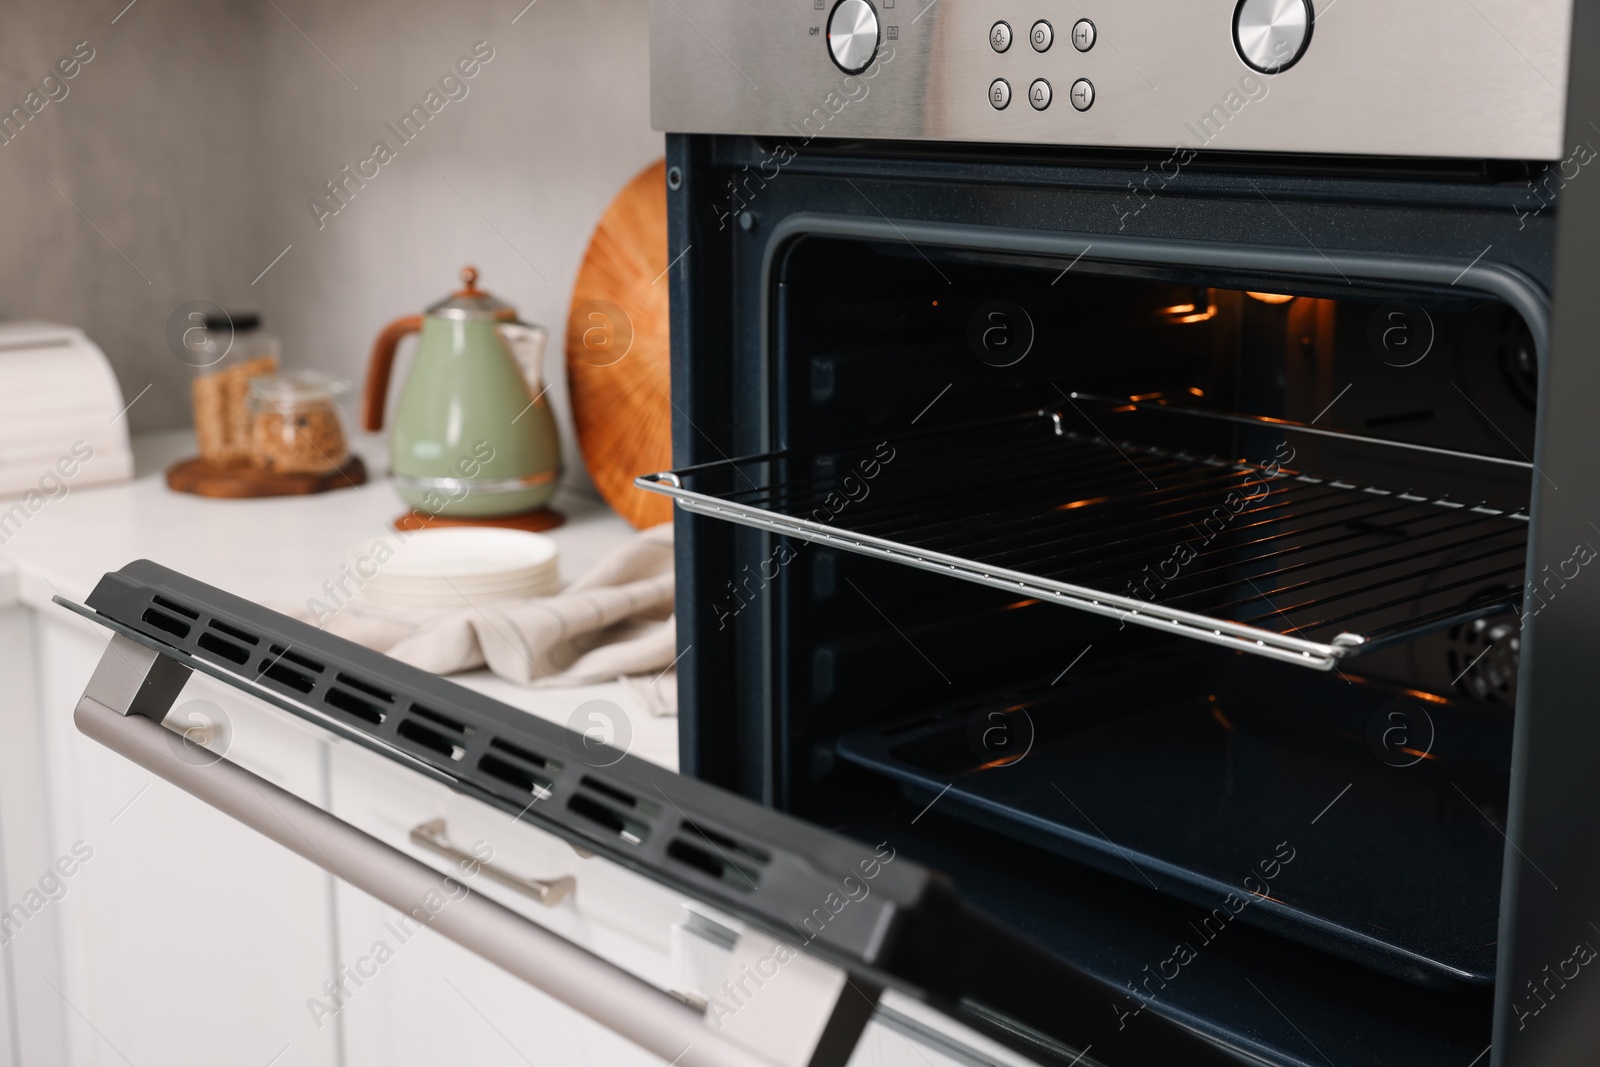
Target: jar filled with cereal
[
  {"x": 295, "y": 426},
  {"x": 228, "y": 350}
]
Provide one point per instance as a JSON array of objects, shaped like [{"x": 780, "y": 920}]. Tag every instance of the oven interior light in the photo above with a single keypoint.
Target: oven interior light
[
  {"x": 1181, "y": 313},
  {"x": 1271, "y": 298}
]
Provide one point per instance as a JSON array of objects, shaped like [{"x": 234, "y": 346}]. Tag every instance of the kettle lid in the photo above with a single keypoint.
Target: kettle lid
[{"x": 470, "y": 302}]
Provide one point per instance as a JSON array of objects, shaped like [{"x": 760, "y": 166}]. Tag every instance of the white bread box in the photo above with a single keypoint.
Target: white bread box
[{"x": 62, "y": 422}]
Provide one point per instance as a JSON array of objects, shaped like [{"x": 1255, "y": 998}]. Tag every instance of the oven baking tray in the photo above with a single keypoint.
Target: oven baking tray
[
  {"x": 1193, "y": 781},
  {"x": 1296, "y": 566}
]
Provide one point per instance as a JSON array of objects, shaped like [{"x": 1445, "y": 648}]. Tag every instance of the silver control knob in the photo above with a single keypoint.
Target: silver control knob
[
  {"x": 853, "y": 35},
  {"x": 1271, "y": 35}
]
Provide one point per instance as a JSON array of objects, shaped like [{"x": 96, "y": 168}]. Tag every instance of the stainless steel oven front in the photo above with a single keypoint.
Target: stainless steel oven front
[{"x": 1433, "y": 78}]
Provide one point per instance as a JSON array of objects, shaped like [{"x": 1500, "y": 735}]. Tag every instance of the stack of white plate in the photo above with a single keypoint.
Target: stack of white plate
[{"x": 463, "y": 567}]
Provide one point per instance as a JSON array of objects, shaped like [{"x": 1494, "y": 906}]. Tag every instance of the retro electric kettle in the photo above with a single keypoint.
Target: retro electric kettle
[{"x": 472, "y": 434}]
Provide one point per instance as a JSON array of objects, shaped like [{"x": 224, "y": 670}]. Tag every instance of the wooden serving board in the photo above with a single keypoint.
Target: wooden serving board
[
  {"x": 240, "y": 481},
  {"x": 618, "y": 370}
]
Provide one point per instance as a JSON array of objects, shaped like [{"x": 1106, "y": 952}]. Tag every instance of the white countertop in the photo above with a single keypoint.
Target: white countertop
[{"x": 279, "y": 552}]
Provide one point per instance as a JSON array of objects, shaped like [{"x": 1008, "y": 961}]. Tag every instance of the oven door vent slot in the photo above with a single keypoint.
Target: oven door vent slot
[
  {"x": 162, "y": 621},
  {"x": 633, "y": 831},
  {"x": 280, "y": 672},
  {"x": 528, "y": 756},
  {"x": 226, "y": 649},
  {"x": 426, "y": 737},
  {"x": 725, "y": 844},
  {"x": 365, "y": 687},
  {"x": 645, "y": 808},
  {"x": 280, "y": 653},
  {"x": 713, "y": 864},
  {"x": 526, "y": 782},
  {"x": 175, "y": 607},
  {"x": 1256, "y": 557},
  {"x": 441, "y": 720},
  {"x": 351, "y": 704},
  {"x": 234, "y": 632}
]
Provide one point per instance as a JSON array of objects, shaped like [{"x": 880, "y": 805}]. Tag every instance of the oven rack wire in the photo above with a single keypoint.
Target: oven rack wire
[{"x": 1265, "y": 559}]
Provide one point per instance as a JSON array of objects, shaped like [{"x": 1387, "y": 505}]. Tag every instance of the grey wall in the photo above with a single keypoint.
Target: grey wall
[
  {"x": 152, "y": 145},
  {"x": 198, "y": 133}
]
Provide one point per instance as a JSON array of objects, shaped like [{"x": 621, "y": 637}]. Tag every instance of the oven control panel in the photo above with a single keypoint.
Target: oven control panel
[{"x": 1322, "y": 76}]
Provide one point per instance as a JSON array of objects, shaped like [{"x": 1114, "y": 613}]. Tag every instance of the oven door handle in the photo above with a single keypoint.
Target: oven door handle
[{"x": 132, "y": 690}]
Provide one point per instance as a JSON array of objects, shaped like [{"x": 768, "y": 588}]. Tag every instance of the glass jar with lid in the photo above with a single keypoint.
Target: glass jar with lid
[
  {"x": 295, "y": 426},
  {"x": 225, "y": 339},
  {"x": 228, "y": 350}
]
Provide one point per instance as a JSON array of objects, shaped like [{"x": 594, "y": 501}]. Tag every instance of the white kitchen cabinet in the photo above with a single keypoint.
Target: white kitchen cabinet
[
  {"x": 433, "y": 1002},
  {"x": 184, "y": 938},
  {"x": 33, "y": 1020}
]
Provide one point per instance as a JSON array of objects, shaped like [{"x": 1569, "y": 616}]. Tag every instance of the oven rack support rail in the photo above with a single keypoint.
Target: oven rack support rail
[
  {"x": 763, "y": 867},
  {"x": 1303, "y": 551}
]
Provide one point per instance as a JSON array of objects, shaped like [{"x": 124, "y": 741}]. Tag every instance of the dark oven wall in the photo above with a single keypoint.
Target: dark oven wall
[{"x": 766, "y": 672}]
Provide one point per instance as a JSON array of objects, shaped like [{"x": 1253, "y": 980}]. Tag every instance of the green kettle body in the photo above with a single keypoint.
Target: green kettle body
[{"x": 473, "y": 435}]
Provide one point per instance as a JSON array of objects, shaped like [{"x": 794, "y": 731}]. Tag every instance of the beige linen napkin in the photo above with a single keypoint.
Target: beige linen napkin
[{"x": 613, "y": 623}]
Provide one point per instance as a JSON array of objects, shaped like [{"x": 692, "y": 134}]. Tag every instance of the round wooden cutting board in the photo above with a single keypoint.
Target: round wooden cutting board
[{"x": 617, "y": 350}]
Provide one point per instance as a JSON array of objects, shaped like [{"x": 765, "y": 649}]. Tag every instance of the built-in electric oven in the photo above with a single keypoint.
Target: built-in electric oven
[
  {"x": 1117, "y": 456},
  {"x": 1136, "y": 507}
]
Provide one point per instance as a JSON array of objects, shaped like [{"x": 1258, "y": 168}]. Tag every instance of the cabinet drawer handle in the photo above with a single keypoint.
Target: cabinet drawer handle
[{"x": 433, "y": 836}]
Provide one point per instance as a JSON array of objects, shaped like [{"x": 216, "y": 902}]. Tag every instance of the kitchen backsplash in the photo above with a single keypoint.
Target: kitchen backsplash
[{"x": 504, "y": 132}]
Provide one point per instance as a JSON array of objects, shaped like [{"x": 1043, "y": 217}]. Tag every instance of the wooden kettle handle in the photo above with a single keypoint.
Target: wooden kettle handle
[{"x": 379, "y": 368}]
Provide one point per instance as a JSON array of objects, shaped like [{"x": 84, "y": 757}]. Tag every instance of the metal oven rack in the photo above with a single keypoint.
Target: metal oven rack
[{"x": 1262, "y": 558}]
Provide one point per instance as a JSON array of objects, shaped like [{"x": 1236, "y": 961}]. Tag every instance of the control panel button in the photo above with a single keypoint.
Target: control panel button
[
  {"x": 999, "y": 93},
  {"x": 1039, "y": 94},
  {"x": 1083, "y": 35},
  {"x": 853, "y": 35},
  {"x": 1082, "y": 94},
  {"x": 1041, "y": 36},
  {"x": 1000, "y": 36},
  {"x": 1271, "y": 35}
]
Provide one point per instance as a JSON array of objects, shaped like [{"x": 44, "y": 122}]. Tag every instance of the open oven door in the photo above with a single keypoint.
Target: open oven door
[{"x": 855, "y": 920}]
